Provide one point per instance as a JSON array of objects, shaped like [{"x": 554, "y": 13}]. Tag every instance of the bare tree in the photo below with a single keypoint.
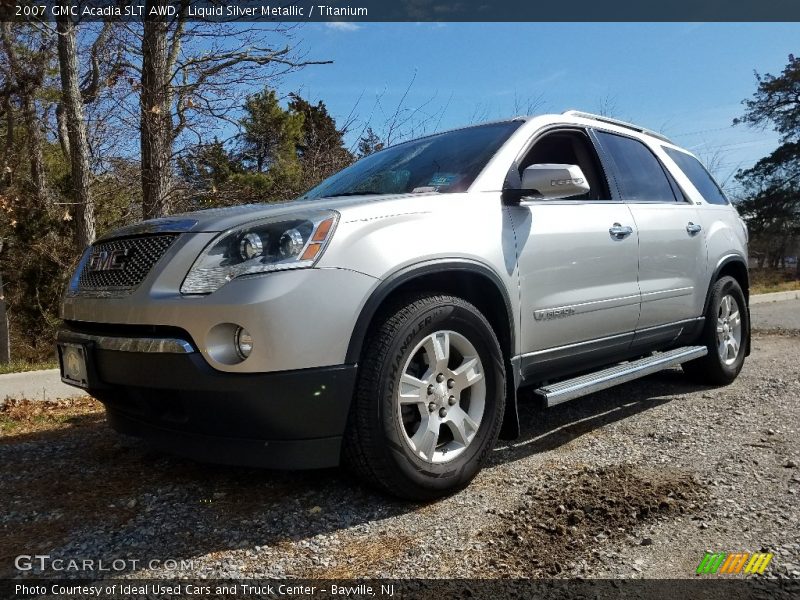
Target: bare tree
[
  {"x": 190, "y": 73},
  {"x": 159, "y": 55},
  {"x": 77, "y": 145},
  {"x": 5, "y": 336},
  {"x": 528, "y": 105},
  {"x": 607, "y": 106},
  {"x": 402, "y": 121},
  {"x": 24, "y": 78}
]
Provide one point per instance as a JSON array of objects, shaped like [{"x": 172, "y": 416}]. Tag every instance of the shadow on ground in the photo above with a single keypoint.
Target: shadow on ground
[{"x": 543, "y": 430}]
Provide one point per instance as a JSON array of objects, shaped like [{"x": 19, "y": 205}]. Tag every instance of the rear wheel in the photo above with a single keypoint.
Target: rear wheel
[
  {"x": 726, "y": 333},
  {"x": 430, "y": 398}
]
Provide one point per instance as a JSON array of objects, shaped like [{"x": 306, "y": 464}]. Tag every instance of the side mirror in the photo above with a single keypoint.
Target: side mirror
[{"x": 552, "y": 181}]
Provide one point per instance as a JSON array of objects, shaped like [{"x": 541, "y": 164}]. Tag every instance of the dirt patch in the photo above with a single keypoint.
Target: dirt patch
[
  {"x": 563, "y": 516},
  {"x": 23, "y": 417},
  {"x": 360, "y": 556}
]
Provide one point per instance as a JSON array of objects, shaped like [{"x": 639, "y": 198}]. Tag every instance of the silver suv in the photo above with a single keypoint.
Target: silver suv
[{"x": 388, "y": 317}]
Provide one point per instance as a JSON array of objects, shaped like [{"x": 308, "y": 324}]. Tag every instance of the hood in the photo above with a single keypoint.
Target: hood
[{"x": 215, "y": 220}]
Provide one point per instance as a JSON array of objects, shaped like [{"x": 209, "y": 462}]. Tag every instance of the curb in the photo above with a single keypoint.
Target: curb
[{"x": 775, "y": 297}]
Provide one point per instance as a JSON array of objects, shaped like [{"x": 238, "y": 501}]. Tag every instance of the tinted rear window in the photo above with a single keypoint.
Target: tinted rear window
[
  {"x": 639, "y": 174},
  {"x": 697, "y": 174}
]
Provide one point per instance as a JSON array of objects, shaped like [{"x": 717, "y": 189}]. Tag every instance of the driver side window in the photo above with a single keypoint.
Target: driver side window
[{"x": 572, "y": 147}]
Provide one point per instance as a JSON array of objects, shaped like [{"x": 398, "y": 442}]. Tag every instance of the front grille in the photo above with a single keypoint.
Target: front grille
[{"x": 139, "y": 255}]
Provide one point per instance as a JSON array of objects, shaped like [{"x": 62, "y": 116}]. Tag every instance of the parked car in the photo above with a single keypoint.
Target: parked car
[{"x": 387, "y": 317}]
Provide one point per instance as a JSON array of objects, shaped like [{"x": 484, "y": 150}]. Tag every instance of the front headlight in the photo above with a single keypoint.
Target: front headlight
[{"x": 286, "y": 242}]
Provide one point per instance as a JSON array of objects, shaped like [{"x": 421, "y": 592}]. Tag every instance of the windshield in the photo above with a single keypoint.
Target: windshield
[{"x": 446, "y": 162}]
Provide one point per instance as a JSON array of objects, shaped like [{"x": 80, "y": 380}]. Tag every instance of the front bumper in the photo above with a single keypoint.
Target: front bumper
[
  {"x": 299, "y": 319},
  {"x": 168, "y": 394}
]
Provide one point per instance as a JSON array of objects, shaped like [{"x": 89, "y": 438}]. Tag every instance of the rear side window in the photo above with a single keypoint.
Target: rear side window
[
  {"x": 639, "y": 174},
  {"x": 697, "y": 174}
]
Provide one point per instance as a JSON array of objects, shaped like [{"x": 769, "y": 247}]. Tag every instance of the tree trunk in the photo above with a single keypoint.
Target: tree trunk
[
  {"x": 156, "y": 117},
  {"x": 76, "y": 131},
  {"x": 63, "y": 134},
  {"x": 5, "y": 338},
  {"x": 5, "y": 334},
  {"x": 34, "y": 144},
  {"x": 7, "y": 176}
]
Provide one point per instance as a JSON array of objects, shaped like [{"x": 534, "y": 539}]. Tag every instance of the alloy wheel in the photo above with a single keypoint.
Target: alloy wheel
[
  {"x": 729, "y": 329},
  {"x": 441, "y": 396}
]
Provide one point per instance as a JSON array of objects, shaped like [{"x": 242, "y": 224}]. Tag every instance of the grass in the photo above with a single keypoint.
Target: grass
[
  {"x": 34, "y": 416},
  {"x": 21, "y": 366},
  {"x": 767, "y": 281}
]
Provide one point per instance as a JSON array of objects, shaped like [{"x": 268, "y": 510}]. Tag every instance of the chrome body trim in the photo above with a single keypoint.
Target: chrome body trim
[
  {"x": 664, "y": 294},
  {"x": 674, "y": 324},
  {"x": 129, "y": 344},
  {"x": 576, "y": 344},
  {"x": 608, "y": 338}
]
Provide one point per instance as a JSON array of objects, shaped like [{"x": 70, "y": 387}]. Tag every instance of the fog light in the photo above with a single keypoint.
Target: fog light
[{"x": 244, "y": 342}]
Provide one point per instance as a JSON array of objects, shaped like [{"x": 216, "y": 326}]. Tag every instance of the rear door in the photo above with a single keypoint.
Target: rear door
[{"x": 672, "y": 252}]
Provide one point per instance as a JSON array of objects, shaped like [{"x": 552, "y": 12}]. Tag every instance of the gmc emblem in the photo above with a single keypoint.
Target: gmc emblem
[{"x": 108, "y": 260}]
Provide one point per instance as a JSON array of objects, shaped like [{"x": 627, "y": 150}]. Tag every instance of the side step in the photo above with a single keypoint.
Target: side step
[{"x": 569, "y": 389}]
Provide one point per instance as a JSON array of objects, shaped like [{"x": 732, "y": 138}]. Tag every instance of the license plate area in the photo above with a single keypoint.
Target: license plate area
[{"x": 73, "y": 361}]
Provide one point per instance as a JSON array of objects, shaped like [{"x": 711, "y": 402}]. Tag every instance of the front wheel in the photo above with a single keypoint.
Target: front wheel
[
  {"x": 726, "y": 334},
  {"x": 430, "y": 398}
]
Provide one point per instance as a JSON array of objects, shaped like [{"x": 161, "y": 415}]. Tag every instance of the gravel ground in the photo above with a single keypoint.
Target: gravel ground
[{"x": 636, "y": 481}]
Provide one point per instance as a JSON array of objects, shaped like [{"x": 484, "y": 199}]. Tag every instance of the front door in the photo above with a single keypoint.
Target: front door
[{"x": 577, "y": 265}]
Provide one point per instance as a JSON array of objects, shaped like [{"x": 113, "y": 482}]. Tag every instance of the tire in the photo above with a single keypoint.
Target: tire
[
  {"x": 726, "y": 334},
  {"x": 402, "y": 438}
]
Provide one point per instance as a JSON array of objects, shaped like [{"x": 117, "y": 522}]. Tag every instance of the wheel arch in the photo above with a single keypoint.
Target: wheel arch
[
  {"x": 733, "y": 265},
  {"x": 467, "y": 279}
]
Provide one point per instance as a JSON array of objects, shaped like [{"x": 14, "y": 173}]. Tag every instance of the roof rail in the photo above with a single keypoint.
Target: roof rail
[{"x": 586, "y": 115}]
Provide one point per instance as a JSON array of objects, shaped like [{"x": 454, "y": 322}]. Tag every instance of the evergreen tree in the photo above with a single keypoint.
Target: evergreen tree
[
  {"x": 369, "y": 143},
  {"x": 270, "y": 134},
  {"x": 771, "y": 187},
  {"x": 271, "y": 168},
  {"x": 208, "y": 167},
  {"x": 321, "y": 148}
]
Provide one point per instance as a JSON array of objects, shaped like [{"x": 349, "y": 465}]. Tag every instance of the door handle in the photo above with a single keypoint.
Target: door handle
[
  {"x": 691, "y": 228},
  {"x": 618, "y": 231}
]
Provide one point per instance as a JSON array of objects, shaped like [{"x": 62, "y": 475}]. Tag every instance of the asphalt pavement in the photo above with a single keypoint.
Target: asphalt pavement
[
  {"x": 36, "y": 385},
  {"x": 776, "y": 315}
]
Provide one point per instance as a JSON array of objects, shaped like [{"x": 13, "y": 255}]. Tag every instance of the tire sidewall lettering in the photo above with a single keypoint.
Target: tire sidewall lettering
[{"x": 447, "y": 317}]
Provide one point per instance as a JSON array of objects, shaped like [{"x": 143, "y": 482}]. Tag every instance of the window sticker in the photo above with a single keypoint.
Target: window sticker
[{"x": 443, "y": 180}]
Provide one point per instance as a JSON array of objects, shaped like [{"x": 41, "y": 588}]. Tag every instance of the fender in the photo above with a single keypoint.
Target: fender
[
  {"x": 724, "y": 261},
  {"x": 510, "y": 427}
]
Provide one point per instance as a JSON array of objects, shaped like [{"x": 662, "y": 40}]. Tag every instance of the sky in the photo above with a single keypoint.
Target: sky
[{"x": 686, "y": 80}]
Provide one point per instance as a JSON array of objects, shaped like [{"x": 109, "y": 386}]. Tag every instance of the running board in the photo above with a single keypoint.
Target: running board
[{"x": 556, "y": 393}]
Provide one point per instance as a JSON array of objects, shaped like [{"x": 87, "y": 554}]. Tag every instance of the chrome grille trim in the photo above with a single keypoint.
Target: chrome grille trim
[{"x": 144, "y": 253}]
